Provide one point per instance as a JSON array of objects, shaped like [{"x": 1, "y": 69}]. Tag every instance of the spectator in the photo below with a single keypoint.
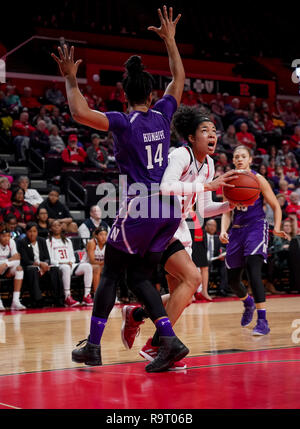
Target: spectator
[
  {"x": 62, "y": 255},
  {"x": 217, "y": 108},
  {"x": 284, "y": 189},
  {"x": 271, "y": 168},
  {"x": 5, "y": 193},
  {"x": 21, "y": 131},
  {"x": 54, "y": 95},
  {"x": 96, "y": 154},
  {"x": 39, "y": 139},
  {"x": 190, "y": 98},
  {"x": 222, "y": 160},
  {"x": 229, "y": 138},
  {"x": 10, "y": 267},
  {"x": 11, "y": 223},
  {"x": 283, "y": 204},
  {"x": 244, "y": 137},
  {"x": 234, "y": 114},
  {"x": 91, "y": 98},
  {"x": 31, "y": 195},
  {"x": 289, "y": 117},
  {"x": 58, "y": 211},
  {"x": 94, "y": 255},
  {"x": 215, "y": 249},
  {"x": 295, "y": 139},
  {"x": 35, "y": 261},
  {"x": 279, "y": 175},
  {"x": 43, "y": 116},
  {"x": 117, "y": 99},
  {"x": 256, "y": 126},
  {"x": 294, "y": 206},
  {"x": 56, "y": 142},
  {"x": 87, "y": 228},
  {"x": 285, "y": 150},
  {"x": 280, "y": 251},
  {"x": 23, "y": 211},
  {"x": 73, "y": 154},
  {"x": 43, "y": 224},
  {"x": 57, "y": 119},
  {"x": 289, "y": 169},
  {"x": 12, "y": 99},
  {"x": 28, "y": 101},
  {"x": 252, "y": 111}
]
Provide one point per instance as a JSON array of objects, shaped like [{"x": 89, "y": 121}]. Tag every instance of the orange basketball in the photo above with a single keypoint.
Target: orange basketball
[{"x": 246, "y": 190}]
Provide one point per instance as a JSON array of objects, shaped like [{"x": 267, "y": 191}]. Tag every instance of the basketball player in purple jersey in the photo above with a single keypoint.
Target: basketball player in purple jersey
[
  {"x": 142, "y": 140},
  {"x": 247, "y": 244}
]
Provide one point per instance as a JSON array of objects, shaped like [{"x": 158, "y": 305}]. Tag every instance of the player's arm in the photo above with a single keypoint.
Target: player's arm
[
  {"x": 167, "y": 32},
  {"x": 271, "y": 199},
  {"x": 79, "y": 108},
  {"x": 178, "y": 164},
  {"x": 225, "y": 223}
]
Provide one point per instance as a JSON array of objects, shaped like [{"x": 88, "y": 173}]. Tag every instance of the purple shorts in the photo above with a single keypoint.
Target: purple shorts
[
  {"x": 150, "y": 232},
  {"x": 251, "y": 239}
]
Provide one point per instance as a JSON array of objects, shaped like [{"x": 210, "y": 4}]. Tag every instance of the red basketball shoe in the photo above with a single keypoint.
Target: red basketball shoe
[
  {"x": 149, "y": 352},
  {"x": 130, "y": 328}
]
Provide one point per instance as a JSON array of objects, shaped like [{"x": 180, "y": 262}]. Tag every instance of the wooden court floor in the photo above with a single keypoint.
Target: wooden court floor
[{"x": 227, "y": 367}]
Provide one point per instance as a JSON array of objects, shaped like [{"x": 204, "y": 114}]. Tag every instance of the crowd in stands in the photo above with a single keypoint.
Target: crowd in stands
[{"x": 44, "y": 124}]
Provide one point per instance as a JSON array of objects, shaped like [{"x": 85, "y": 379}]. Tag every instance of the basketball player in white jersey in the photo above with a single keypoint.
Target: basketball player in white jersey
[
  {"x": 190, "y": 172},
  {"x": 95, "y": 251},
  {"x": 10, "y": 267},
  {"x": 62, "y": 255}
]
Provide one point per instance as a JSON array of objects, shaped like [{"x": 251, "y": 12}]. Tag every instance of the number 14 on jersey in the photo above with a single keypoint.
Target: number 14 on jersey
[{"x": 158, "y": 157}]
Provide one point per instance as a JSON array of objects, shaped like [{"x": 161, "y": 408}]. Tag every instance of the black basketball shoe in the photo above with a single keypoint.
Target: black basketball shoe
[
  {"x": 90, "y": 354},
  {"x": 171, "y": 350}
]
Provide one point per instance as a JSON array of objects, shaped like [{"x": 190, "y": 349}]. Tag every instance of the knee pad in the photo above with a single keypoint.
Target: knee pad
[{"x": 19, "y": 275}]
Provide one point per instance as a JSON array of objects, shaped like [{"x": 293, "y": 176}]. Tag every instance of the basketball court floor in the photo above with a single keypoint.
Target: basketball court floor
[{"x": 227, "y": 367}]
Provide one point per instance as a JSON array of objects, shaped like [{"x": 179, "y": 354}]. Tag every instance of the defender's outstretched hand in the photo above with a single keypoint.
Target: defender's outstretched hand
[
  {"x": 167, "y": 29},
  {"x": 66, "y": 61}
]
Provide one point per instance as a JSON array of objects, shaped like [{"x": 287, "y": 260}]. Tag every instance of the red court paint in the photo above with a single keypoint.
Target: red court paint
[{"x": 266, "y": 379}]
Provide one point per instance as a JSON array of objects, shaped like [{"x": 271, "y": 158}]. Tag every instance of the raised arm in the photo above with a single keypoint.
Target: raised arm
[
  {"x": 79, "y": 108},
  {"x": 167, "y": 32}
]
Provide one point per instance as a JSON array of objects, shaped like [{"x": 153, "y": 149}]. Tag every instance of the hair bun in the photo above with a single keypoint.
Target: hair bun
[{"x": 134, "y": 65}]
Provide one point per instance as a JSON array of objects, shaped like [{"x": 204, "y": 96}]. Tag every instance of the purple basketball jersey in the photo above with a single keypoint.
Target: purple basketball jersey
[
  {"x": 142, "y": 141},
  {"x": 249, "y": 234},
  {"x": 141, "y": 146}
]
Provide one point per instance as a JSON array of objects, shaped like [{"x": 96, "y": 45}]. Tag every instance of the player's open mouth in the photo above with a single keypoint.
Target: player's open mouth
[{"x": 211, "y": 145}]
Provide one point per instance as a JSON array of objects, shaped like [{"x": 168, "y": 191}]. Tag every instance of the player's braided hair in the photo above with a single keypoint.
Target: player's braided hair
[
  {"x": 187, "y": 119},
  {"x": 137, "y": 83}
]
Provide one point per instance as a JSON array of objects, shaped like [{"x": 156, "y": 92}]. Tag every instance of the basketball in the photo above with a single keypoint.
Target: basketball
[{"x": 246, "y": 190}]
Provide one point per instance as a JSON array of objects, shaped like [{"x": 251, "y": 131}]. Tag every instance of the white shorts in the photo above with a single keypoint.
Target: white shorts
[{"x": 184, "y": 236}]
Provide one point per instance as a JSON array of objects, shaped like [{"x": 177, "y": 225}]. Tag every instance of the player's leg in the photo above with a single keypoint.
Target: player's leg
[
  {"x": 17, "y": 272},
  {"x": 254, "y": 265},
  {"x": 114, "y": 264},
  {"x": 85, "y": 269},
  {"x": 66, "y": 272},
  {"x": 171, "y": 349},
  {"x": 97, "y": 269},
  {"x": 256, "y": 245}
]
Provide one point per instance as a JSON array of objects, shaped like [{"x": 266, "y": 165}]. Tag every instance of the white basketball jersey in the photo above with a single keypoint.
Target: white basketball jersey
[
  {"x": 191, "y": 170},
  {"x": 8, "y": 251},
  {"x": 59, "y": 251},
  {"x": 99, "y": 253}
]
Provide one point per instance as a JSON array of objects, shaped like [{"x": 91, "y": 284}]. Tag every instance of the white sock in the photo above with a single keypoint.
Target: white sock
[
  {"x": 16, "y": 296},
  {"x": 87, "y": 291}
]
